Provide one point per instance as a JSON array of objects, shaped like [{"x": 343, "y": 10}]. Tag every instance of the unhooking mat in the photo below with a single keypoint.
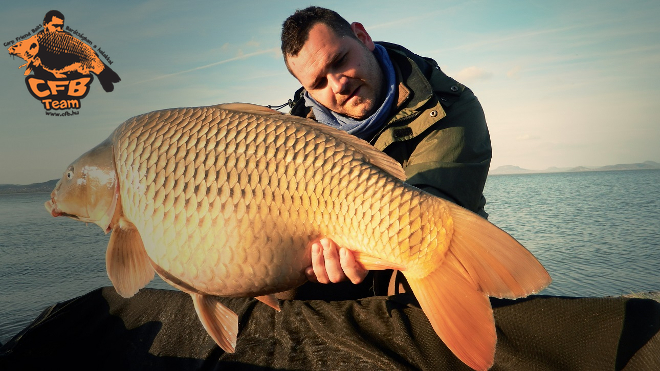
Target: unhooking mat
[{"x": 159, "y": 330}]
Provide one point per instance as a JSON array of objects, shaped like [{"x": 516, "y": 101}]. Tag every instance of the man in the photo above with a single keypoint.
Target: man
[
  {"x": 53, "y": 21},
  {"x": 401, "y": 103}
]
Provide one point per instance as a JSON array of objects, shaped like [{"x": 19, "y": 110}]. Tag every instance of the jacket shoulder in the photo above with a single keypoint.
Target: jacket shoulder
[
  {"x": 424, "y": 64},
  {"x": 444, "y": 87}
]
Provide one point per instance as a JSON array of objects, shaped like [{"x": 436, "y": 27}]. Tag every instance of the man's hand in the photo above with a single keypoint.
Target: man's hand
[{"x": 330, "y": 263}]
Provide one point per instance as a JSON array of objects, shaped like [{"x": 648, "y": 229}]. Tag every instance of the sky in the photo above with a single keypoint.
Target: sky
[{"x": 562, "y": 83}]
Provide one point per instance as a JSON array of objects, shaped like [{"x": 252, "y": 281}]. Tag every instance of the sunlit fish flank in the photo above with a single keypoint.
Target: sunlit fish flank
[{"x": 224, "y": 200}]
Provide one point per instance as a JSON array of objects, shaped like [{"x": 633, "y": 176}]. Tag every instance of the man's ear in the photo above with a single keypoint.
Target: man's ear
[{"x": 362, "y": 35}]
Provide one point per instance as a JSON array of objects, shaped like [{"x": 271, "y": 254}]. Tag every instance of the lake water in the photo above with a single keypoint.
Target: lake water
[{"x": 597, "y": 234}]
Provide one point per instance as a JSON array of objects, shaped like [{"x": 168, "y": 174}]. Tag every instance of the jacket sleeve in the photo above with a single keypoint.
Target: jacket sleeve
[{"x": 452, "y": 160}]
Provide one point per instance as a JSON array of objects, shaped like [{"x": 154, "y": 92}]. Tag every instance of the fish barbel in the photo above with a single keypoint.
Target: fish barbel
[{"x": 224, "y": 201}]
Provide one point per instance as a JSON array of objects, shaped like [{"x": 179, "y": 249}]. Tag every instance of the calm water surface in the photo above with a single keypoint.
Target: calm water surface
[
  {"x": 597, "y": 234},
  {"x": 44, "y": 260}
]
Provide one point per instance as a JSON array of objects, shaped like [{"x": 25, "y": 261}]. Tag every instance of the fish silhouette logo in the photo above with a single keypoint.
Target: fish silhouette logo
[{"x": 59, "y": 66}]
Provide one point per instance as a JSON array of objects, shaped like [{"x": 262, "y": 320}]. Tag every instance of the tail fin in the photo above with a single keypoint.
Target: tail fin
[
  {"x": 459, "y": 313},
  {"x": 482, "y": 260},
  {"x": 495, "y": 261},
  {"x": 107, "y": 77}
]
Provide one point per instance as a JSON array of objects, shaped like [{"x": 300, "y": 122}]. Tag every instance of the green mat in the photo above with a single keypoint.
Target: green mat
[{"x": 159, "y": 330}]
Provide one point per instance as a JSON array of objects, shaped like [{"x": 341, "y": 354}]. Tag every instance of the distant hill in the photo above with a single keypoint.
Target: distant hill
[
  {"x": 509, "y": 169},
  {"x": 580, "y": 169},
  {"x": 643, "y": 166},
  {"x": 29, "y": 188},
  {"x": 502, "y": 170}
]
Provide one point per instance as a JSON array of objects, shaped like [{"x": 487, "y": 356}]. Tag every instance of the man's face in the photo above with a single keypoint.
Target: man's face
[
  {"x": 55, "y": 25},
  {"x": 341, "y": 73}
]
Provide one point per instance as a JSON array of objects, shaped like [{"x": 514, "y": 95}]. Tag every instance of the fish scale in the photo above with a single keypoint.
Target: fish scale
[
  {"x": 289, "y": 148},
  {"x": 225, "y": 201}
]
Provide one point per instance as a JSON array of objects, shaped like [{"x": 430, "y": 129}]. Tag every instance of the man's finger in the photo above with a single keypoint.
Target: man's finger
[
  {"x": 352, "y": 269},
  {"x": 318, "y": 263},
  {"x": 309, "y": 272},
  {"x": 333, "y": 268}
]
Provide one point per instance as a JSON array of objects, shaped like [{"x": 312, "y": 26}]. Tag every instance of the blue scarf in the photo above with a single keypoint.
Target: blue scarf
[{"x": 361, "y": 128}]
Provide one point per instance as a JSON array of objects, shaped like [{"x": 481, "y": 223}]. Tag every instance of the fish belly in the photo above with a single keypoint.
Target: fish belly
[{"x": 228, "y": 202}]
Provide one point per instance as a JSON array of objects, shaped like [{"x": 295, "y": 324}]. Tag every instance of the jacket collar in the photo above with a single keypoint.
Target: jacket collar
[{"x": 415, "y": 101}]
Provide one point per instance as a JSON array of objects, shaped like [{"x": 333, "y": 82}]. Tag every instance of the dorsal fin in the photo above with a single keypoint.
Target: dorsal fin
[{"x": 247, "y": 107}]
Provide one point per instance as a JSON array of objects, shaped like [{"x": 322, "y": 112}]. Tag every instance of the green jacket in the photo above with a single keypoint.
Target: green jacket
[{"x": 437, "y": 131}]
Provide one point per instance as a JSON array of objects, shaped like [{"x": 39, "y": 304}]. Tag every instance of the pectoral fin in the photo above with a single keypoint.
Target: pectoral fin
[
  {"x": 127, "y": 262},
  {"x": 219, "y": 321},
  {"x": 269, "y": 300}
]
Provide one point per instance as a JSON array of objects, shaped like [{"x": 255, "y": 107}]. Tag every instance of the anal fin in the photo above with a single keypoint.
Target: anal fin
[
  {"x": 219, "y": 321},
  {"x": 371, "y": 262},
  {"x": 127, "y": 262},
  {"x": 269, "y": 300}
]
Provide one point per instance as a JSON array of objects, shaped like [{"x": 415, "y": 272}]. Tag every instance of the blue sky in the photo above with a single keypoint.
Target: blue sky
[{"x": 563, "y": 83}]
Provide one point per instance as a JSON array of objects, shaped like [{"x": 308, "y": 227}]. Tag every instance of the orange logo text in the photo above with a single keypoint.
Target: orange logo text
[{"x": 59, "y": 93}]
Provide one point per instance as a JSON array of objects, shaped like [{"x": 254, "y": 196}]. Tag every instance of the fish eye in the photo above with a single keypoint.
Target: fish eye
[{"x": 69, "y": 173}]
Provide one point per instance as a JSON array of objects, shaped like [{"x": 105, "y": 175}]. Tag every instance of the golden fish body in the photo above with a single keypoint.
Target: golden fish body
[
  {"x": 224, "y": 201},
  {"x": 229, "y": 202}
]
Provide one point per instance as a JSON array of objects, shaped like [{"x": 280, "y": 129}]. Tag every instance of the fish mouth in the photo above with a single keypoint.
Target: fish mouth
[{"x": 51, "y": 207}]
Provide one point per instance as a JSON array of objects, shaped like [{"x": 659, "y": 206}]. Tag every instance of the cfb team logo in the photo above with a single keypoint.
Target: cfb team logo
[{"x": 61, "y": 65}]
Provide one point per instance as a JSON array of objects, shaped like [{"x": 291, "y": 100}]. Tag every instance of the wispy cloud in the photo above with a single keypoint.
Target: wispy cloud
[
  {"x": 500, "y": 38},
  {"x": 239, "y": 57},
  {"x": 472, "y": 74}
]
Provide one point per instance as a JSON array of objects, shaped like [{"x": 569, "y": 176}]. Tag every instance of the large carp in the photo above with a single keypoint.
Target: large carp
[{"x": 224, "y": 201}]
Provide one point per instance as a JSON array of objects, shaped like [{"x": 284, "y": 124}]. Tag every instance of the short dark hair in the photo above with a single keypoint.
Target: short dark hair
[
  {"x": 295, "y": 29},
  {"x": 53, "y": 13}
]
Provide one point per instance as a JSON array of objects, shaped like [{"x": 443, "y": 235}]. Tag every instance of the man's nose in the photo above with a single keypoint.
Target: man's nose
[{"x": 338, "y": 83}]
